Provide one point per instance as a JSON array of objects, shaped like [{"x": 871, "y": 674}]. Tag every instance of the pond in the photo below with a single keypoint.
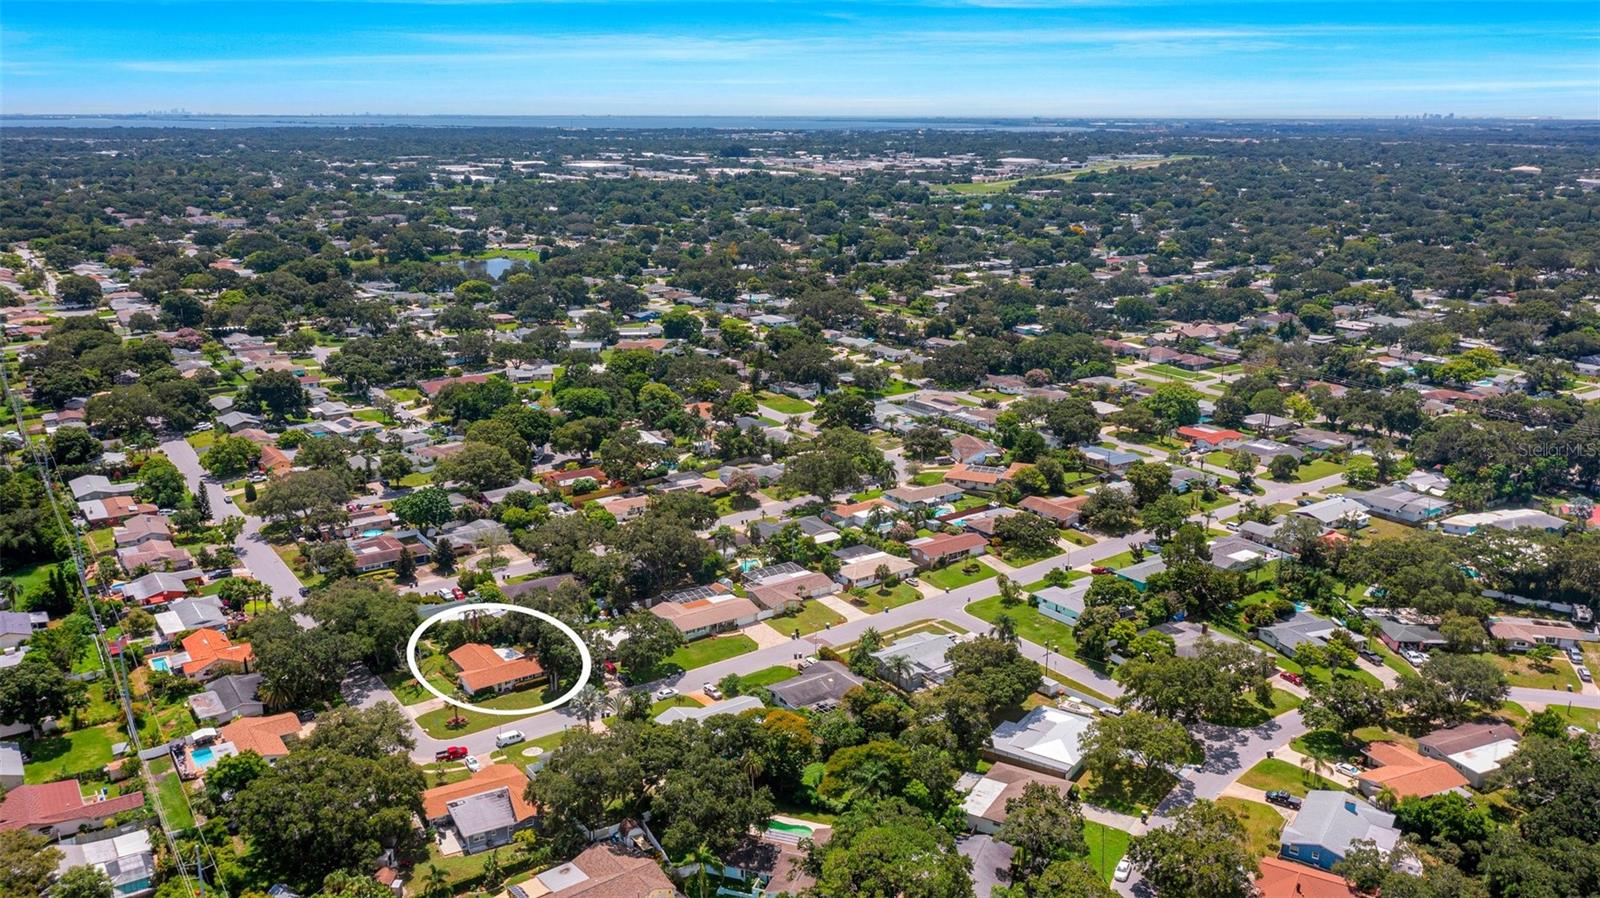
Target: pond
[{"x": 491, "y": 268}]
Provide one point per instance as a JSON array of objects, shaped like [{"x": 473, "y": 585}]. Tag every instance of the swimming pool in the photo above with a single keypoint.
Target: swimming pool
[
  {"x": 160, "y": 664},
  {"x": 793, "y": 829},
  {"x": 203, "y": 756},
  {"x": 371, "y": 533}
]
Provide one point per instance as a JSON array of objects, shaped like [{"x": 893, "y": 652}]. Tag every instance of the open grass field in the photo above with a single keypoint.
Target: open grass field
[
  {"x": 66, "y": 755},
  {"x": 709, "y": 651},
  {"x": 873, "y": 600},
  {"x": 1031, "y": 625},
  {"x": 1107, "y": 845},
  {"x": 778, "y": 402},
  {"x": 1262, "y": 824},
  {"x": 811, "y": 617},
  {"x": 768, "y": 676},
  {"x": 1273, "y": 773},
  {"x": 979, "y": 188},
  {"x": 1521, "y": 670},
  {"x": 953, "y": 577}
]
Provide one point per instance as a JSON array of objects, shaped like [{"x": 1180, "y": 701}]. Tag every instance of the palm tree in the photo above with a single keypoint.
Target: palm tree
[
  {"x": 492, "y": 872},
  {"x": 723, "y": 538},
  {"x": 900, "y": 669},
  {"x": 704, "y": 857},
  {"x": 589, "y": 703},
  {"x": 436, "y": 884},
  {"x": 1004, "y": 629}
]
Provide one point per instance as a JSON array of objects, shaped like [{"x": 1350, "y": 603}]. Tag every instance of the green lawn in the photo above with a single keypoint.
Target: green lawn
[
  {"x": 709, "y": 651},
  {"x": 1273, "y": 773},
  {"x": 929, "y": 478},
  {"x": 1116, "y": 562},
  {"x": 1107, "y": 845},
  {"x": 1174, "y": 372},
  {"x": 953, "y": 577},
  {"x": 873, "y": 600},
  {"x": 768, "y": 676},
  {"x": 1262, "y": 824},
  {"x": 811, "y": 617},
  {"x": 416, "y": 479},
  {"x": 68, "y": 754},
  {"x": 1521, "y": 670},
  {"x": 1316, "y": 469},
  {"x": 1031, "y": 625},
  {"x": 173, "y": 802},
  {"x": 437, "y": 668},
  {"x": 787, "y": 405},
  {"x": 1020, "y": 558}
]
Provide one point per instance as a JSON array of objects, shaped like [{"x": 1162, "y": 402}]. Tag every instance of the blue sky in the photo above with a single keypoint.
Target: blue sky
[{"x": 1093, "y": 58}]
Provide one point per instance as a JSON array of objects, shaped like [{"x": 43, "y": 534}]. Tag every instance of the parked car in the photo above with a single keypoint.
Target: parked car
[
  {"x": 1097, "y": 570},
  {"x": 665, "y": 692},
  {"x": 1583, "y": 674},
  {"x": 713, "y": 692},
  {"x": 1292, "y": 677},
  {"x": 1349, "y": 770},
  {"x": 1416, "y": 658},
  {"x": 444, "y": 593},
  {"x": 450, "y": 753},
  {"x": 1283, "y": 799},
  {"x": 1124, "y": 870},
  {"x": 472, "y": 763},
  {"x": 911, "y": 581},
  {"x": 458, "y": 594},
  {"x": 508, "y": 737}
]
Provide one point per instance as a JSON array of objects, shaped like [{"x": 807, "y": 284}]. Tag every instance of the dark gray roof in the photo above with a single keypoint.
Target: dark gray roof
[{"x": 825, "y": 681}]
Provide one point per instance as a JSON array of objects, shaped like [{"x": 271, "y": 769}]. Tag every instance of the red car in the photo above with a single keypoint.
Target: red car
[
  {"x": 1097, "y": 571},
  {"x": 453, "y": 753},
  {"x": 1292, "y": 677},
  {"x": 458, "y": 593}
]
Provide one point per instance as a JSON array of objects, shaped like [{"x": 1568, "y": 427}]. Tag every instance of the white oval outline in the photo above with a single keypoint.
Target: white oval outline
[{"x": 583, "y": 652}]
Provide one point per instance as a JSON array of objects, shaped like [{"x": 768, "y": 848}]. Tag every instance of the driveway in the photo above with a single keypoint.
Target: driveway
[{"x": 991, "y": 862}]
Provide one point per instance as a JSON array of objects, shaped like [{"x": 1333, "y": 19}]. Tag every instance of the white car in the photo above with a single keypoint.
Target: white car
[
  {"x": 665, "y": 692},
  {"x": 472, "y": 763},
  {"x": 713, "y": 692},
  {"x": 1416, "y": 658},
  {"x": 1349, "y": 770},
  {"x": 1124, "y": 870}
]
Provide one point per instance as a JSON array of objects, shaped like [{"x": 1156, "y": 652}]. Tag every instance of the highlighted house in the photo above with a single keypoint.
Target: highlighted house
[{"x": 488, "y": 669}]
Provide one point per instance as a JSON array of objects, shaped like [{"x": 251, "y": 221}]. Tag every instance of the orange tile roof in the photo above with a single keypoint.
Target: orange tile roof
[
  {"x": 436, "y": 801},
  {"x": 483, "y": 668},
  {"x": 1408, "y": 774},
  {"x": 207, "y": 647},
  {"x": 1286, "y": 879},
  {"x": 262, "y": 735}
]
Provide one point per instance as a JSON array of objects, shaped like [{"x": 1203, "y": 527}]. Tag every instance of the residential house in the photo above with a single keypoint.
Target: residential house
[
  {"x": 90, "y": 487},
  {"x": 772, "y": 864},
  {"x": 1523, "y": 633},
  {"x": 142, "y": 528},
  {"x": 701, "y": 713},
  {"x": 603, "y": 870},
  {"x": 1401, "y": 636},
  {"x": 935, "y": 551},
  {"x": 970, "y": 450},
  {"x": 703, "y": 610},
  {"x": 1400, "y": 504},
  {"x": 159, "y": 554},
  {"x": 210, "y": 654},
  {"x": 376, "y": 553},
  {"x": 16, "y": 627},
  {"x": 263, "y": 735},
  {"x": 980, "y": 478},
  {"x": 1269, "y": 425},
  {"x": 228, "y": 697},
  {"x": 1279, "y": 878},
  {"x": 820, "y": 531},
  {"x": 194, "y": 613},
  {"x": 787, "y": 585},
  {"x": 1064, "y": 603},
  {"x": 1404, "y": 773},
  {"x": 1111, "y": 461},
  {"x": 12, "y": 772},
  {"x": 1063, "y": 510},
  {"x": 59, "y": 808},
  {"x": 860, "y": 514},
  {"x": 124, "y": 856},
  {"x": 985, "y": 802},
  {"x": 859, "y": 569},
  {"x": 234, "y": 422},
  {"x": 1502, "y": 519},
  {"x": 1473, "y": 749},
  {"x": 1336, "y": 512},
  {"x": 1045, "y": 739},
  {"x": 924, "y": 661},
  {"x": 1266, "y": 450},
  {"x": 158, "y": 588},
  {"x": 110, "y": 512},
  {"x": 1235, "y": 553},
  {"x": 821, "y": 686},
  {"x": 907, "y": 498},
  {"x": 1139, "y": 574},
  {"x": 1328, "y": 823},
  {"x": 486, "y": 809},
  {"x": 1312, "y": 439},
  {"x": 1204, "y": 436},
  {"x": 488, "y": 669},
  {"x": 1301, "y": 629}
]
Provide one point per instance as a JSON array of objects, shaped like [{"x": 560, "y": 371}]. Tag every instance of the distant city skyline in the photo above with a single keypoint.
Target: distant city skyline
[{"x": 1012, "y": 58}]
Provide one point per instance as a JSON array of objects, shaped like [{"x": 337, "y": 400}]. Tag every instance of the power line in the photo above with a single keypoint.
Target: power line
[{"x": 43, "y": 462}]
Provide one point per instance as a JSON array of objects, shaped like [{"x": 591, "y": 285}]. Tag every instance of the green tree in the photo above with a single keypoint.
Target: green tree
[
  {"x": 1045, "y": 825},
  {"x": 1203, "y": 854},
  {"x": 278, "y": 393},
  {"x": 1135, "y": 753},
  {"x": 647, "y": 641},
  {"x": 161, "y": 482},
  {"x": 35, "y": 690},
  {"x": 1283, "y": 468},
  {"x": 27, "y": 862},
  {"x": 231, "y": 457},
  {"x": 425, "y": 509},
  {"x": 888, "y": 850},
  {"x": 480, "y": 466}
]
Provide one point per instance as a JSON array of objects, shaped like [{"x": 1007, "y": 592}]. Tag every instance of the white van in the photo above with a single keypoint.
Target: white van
[{"x": 509, "y": 737}]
